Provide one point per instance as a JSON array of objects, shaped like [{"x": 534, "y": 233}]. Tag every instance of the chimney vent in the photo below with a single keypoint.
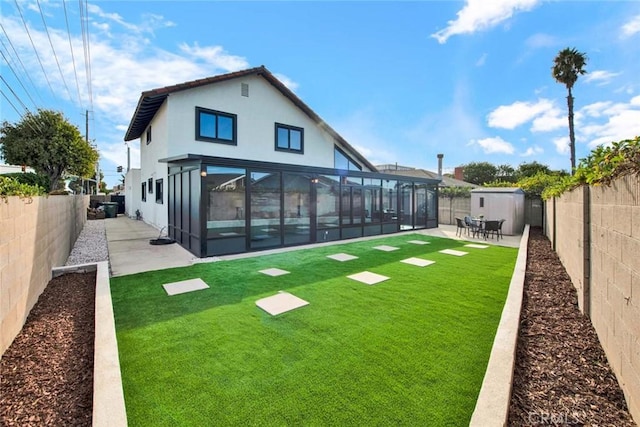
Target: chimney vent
[{"x": 440, "y": 156}]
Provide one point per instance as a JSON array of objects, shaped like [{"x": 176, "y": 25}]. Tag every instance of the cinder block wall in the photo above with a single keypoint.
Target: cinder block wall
[
  {"x": 615, "y": 272},
  {"x": 34, "y": 237}
]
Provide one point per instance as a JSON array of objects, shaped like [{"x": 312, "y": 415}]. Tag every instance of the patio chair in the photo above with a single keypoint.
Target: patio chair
[
  {"x": 474, "y": 226},
  {"x": 460, "y": 226},
  {"x": 492, "y": 227},
  {"x": 500, "y": 228}
]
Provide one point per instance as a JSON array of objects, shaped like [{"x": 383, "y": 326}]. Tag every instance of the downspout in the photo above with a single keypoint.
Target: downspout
[
  {"x": 553, "y": 232},
  {"x": 586, "y": 261}
]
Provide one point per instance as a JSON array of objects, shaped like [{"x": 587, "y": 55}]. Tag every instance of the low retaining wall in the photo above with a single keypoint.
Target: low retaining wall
[{"x": 36, "y": 236}]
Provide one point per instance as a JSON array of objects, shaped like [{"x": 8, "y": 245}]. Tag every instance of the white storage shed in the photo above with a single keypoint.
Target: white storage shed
[{"x": 495, "y": 203}]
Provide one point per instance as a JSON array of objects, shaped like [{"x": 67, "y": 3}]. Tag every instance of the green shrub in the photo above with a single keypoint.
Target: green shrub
[
  {"x": 30, "y": 178},
  {"x": 11, "y": 187}
]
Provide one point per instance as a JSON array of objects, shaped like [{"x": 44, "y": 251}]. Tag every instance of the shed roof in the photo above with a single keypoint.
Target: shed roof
[
  {"x": 502, "y": 190},
  {"x": 151, "y": 100}
]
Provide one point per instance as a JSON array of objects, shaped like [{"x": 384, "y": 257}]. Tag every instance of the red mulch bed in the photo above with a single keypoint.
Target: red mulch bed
[
  {"x": 561, "y": 378},
  {"x": 47, "y": 372}
]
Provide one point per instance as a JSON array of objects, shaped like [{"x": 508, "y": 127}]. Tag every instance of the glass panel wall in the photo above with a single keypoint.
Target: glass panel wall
[
  {"x": 389, "y": 200},
  {"x": 297, "y": 208},
  {"x": 225, "y": 205},
  {"x": 406, "y": 207},
  {"x": 420, "y": 194},
  {"x": 265, "y": 209},
  {"x": 328, "y": 201},
  {"x": 372, "y": 191}
]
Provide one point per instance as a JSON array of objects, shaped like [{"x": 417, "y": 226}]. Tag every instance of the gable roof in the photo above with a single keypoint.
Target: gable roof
[
  {"x": 423, "y": 173},
  {"x": 151, "y": 100}
]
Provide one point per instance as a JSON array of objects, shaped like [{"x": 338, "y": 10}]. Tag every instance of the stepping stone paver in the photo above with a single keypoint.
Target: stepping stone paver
[
  {"x": 453, "y": 252},
  {"x": 418, "y": 262},
  {"x": 273, "y": 272},
  {"x": 342, "y": 257},
  {"x": 386, "y": 248},
  {"x": 368, "y": 278},
  {"x": 281, "y": 303},
  {"x": 184, "y": 286},
  {"x": 476, "y": 246},
  {"x": 419, "y": 242}
]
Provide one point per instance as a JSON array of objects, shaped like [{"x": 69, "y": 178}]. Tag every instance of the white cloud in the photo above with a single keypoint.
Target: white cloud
[
  {"x": 288, "y": 82},
  {"x": 479, "y": 15},
  {"x": 494, "y": 145},
  {"x": 518, "y": 113},
  {"x": 631, "y": 27},
  {"x": 562, "y": 144},
  {"x": 602, "y": 77},
  {"x": 541, "y": 40},
  {"x": 532, "y": 151},
  {"x": 216, "y": 56},
  {"x": 596, "y": 109},
  {"x": 551, "y": 119}
]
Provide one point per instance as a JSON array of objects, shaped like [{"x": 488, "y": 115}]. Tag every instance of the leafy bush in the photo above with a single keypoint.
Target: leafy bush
[
  {"x": 30, "y": 179},
  {"x": 11, "y": 187},
  {"x": 453, "y": 192},
  {"x": 601, "y": 167}
]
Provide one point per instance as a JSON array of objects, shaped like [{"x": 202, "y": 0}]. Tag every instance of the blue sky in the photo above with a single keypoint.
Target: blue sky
[{"x": 401, "y": 81}]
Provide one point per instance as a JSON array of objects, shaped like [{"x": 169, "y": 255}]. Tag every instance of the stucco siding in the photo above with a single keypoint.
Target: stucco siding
[{"x": 256, "y": 118}]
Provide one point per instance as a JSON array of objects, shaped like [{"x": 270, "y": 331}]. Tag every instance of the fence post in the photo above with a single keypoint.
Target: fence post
[{"x": 586, "y": 251}]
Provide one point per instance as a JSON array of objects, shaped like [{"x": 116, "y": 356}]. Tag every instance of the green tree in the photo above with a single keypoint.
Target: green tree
[
  {"x": 506, "y": 173},
  {"x": 479, "y": 172},
  {"x": 48, "y": 143},
  {"x": 567, "y": 66},
  {"x": 526, "y": 170}
]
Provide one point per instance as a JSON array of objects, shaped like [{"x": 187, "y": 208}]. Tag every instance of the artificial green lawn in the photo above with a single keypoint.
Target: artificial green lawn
[{"x": 408, "y": 351}]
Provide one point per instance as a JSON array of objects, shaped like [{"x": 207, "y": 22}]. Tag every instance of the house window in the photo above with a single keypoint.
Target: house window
[
  {"x": 244, "y": 89},
  {"x": 482, "y": 202},
  {"x": 149, "y": 135},
  {"x": 150, "y": 185},
  {"x": 144, "y": 191},
  {"x": 344, "y": 162},
  {"x": 215, "y": 126},
  {"x": 289, "y": 138},
  {"x": 159, "y": 191}
]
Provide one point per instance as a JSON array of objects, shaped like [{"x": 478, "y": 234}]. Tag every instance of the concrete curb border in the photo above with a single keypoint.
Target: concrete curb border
[
  {"x": 492, "y": 406},
  {"x": 108, "y": 396}
]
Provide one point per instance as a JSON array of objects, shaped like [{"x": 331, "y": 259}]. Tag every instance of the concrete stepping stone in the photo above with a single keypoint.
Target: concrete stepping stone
[
  {"x": 419, "y": 242},
  {"x": 453, "y": 252},
  {"x": 342, "y": 257},
  {"x": 476, "y": 246},
  {"x": 418, "y": 262},
  {"x": 386, "y": 248},
  {"x": 368, "y": 278},
  {"x": 273, "y": 272},
  {"x": 184, "y": 286},
  {"x": 281, "y": 303}
]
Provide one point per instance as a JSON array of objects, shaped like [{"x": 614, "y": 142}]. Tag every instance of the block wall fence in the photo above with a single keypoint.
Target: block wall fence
[
  {"x": 596, "y": 233},
  {"x": 35, "y": 236}
]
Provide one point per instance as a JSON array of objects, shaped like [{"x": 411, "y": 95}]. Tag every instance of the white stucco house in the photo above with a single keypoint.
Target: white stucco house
[{"x": 237, "y": 162}]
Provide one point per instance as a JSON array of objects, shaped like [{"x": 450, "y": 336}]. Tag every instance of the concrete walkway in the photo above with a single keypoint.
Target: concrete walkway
[{"x": 130, "y": 251}]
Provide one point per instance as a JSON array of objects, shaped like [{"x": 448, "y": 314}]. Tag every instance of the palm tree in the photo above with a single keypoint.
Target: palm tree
[{"x": 567, "y": 66}]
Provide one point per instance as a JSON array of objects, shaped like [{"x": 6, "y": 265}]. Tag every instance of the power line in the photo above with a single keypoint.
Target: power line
[
  {"x": 10, "y": 103},
  {"x": 14, "y": 93},
  {"x": 87, "y": 50},
  {"x": 73, "y": 59},
  {"x": 17, "y": 77},
  {"x": 20, "y": 61},
  {"x": 53, "y": 50},
  {"x": 34, "y": 48}
]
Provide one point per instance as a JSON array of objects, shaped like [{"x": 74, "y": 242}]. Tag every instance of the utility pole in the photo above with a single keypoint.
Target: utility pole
[{"x": 97, "y": 168}]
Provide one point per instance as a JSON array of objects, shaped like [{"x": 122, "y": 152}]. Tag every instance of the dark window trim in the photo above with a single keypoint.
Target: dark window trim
[
  {"x": 159, "y": 191},
  {"x": 144, "y": 191},
  {"x": 234, "y": 120},
  {"x": 148, "y": 135},
  {"x": 289, "y": 128},
  {"x": 349, "y": 158},
  {"x": 150, "y": 185}
]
